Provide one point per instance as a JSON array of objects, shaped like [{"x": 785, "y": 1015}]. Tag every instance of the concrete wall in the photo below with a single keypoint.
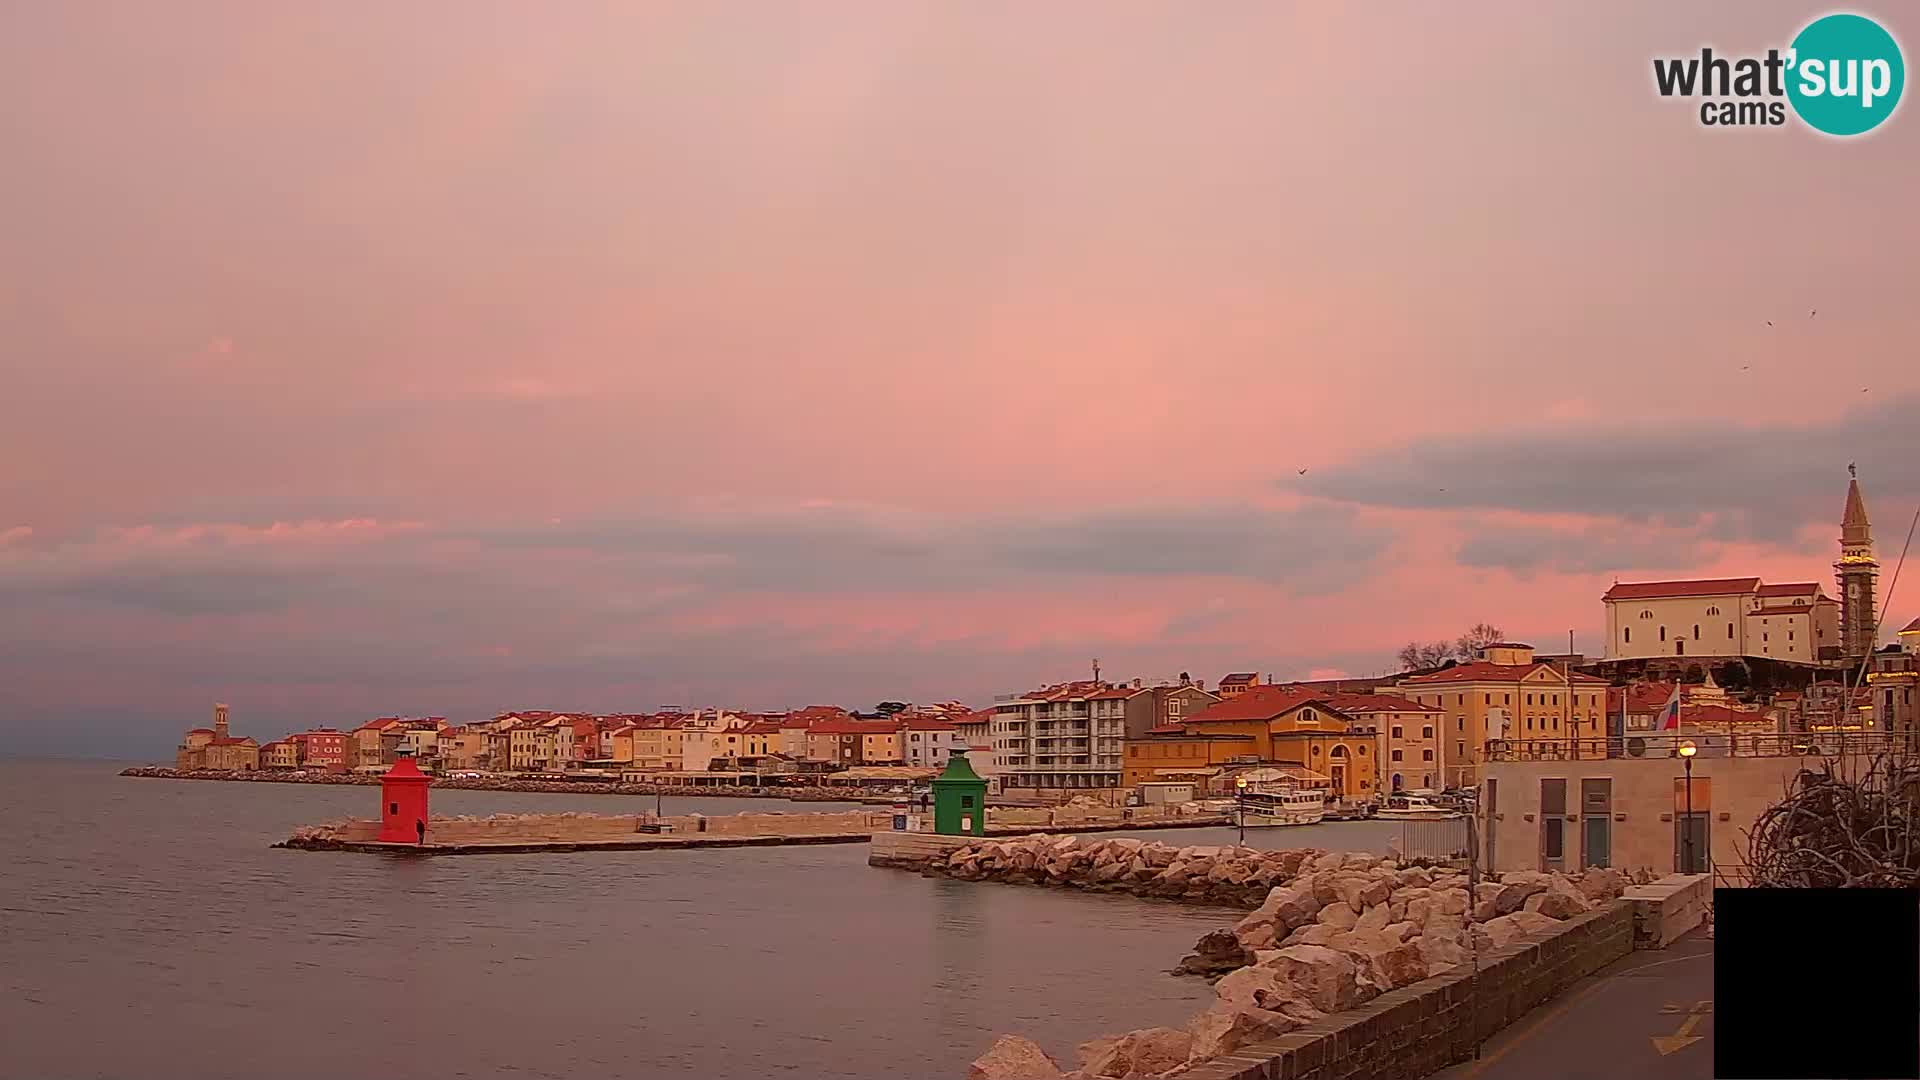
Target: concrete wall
[
  {"x": 1425, "y": 1027},
  {"x": 1732, "y": 791}
]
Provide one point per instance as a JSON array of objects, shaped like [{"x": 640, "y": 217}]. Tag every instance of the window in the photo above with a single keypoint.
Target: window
[
  {"x": 1395, "y": 756},
  {"x": 1529, "y": 699},
  {"x": 1529, "y": 723},
  {"x": 1663, "y": 633},
  {"x": 1789, "y": 635},
  {"x": 1459, "y": 723},
  {"x": 1696, "y": 631},
  {"x": 1489, "y": 700},
  {"x": 1363, "y": 751},
  {"x": 1396, "y": 731},
  {"x": 1426, "y": 755},
  {"x": 1763, "y": 636},
  {"x": 1460, "y": 750},
  {"x": 1713, "y": 611},
  {"x": 1647, "y": 614},
  {"x": 1427, "y": 732}
]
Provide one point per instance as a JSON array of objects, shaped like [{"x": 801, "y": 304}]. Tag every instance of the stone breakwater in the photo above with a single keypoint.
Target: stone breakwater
[
  {"x": 1328, "y": 932},
  {"x": 811, "y": 793},
  {"x": 576, "y": 831}
]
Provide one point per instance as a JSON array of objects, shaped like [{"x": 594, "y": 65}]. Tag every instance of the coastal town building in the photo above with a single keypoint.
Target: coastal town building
[
  {"x": 1720, "y": 618},
  {"x": 927, "y": 742},
  {"x": 321, "y": 748},
  {"x": 1146, "y": 706},
  {"x": 280, "y": 754},
  {"x": 1264, "y": 727},
  {"x": 1893, "y": 687},
  {"x": 1406, "y": 735},
  {"x": 216, "y": 747},
  {"x": 1066, "y": 736},
  {"x": 1506, "y": 695},
  {"x": 1238, "y": 683}
]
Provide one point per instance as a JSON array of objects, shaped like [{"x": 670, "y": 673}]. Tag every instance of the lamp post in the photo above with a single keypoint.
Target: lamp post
[
  {"x": 1687, "y": 750},
  {"x": 1240, "y": 806}
]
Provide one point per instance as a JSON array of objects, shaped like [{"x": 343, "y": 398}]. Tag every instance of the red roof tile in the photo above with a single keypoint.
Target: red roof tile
[
  {"x": 1798, "y": 588},
  {"x": 1361, "y": 703},
  {"x": 1258, "y": 703},
  {"x": 1483, "y": 671},
  {"x": 1656, "y": 590},
  {"x": 928, "y": 723},
  {"x": 854, "y": 727}
]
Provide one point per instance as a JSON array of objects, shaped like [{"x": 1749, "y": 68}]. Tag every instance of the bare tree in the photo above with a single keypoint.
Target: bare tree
[
  {"x": 1413, "y": 655},
  {"x": 1477, "y": 637}
]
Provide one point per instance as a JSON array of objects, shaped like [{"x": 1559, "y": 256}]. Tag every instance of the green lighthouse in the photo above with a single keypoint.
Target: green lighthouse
[{"x": 959, "y": 799}]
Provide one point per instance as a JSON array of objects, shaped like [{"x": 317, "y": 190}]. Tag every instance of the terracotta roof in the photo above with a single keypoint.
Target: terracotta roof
[
  {"x": 928, "y": 723},
  {"x": 244, "y": 740},
  {"x": 763, "y": 727},
  {"x": 1797, "y": 588},
  {"x": 1083, "y": 688},
  {"x": 854, "y": 727},
  {"x": 1507, "y": 645},
  {"x": 1259, "y": 703},
  {"x": 1655, "y": 590},
  {"x": 1119, "y": 693},
  {"x": 1359, "y": 703},
  {"x": 1642, "y": 697},
  {"x": 200, "y": 731},
  {"x": 1483, "y": 671}
]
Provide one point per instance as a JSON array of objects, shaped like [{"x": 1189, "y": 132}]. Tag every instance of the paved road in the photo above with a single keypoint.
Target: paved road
[{"x": 1646, "y": 1016}]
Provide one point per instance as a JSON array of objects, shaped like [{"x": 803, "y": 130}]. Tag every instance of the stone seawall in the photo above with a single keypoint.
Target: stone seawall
[
  {"x": 1222, "y": 876},
  {"x": 1329, "y": 933},
  {"x": 1429, "y": 1025}
]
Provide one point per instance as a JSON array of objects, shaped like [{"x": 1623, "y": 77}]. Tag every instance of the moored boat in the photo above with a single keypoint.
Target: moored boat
[
  {"x": 1415, "y": 808},
  {"x": 1295, "y": 806}
]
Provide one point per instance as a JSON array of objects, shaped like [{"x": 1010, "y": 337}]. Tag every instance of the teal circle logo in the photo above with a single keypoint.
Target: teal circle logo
[{"x": 1845, "y": 75}]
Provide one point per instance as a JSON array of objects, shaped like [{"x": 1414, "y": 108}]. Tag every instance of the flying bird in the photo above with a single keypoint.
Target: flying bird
[
  {"x": 1744, "y": 367},
  {"x": 1769, "y": 322},
  {"x": 1812, "y": 313},
  {"x": 1303, "y": 472}
]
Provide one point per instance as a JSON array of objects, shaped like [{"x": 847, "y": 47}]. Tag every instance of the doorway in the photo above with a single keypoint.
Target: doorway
[{"x": 1693, "y": 857}]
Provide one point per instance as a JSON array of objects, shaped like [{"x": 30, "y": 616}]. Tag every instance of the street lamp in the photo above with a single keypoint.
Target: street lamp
[
  {"x": 1687, "y": 750},
  {"x": 1240, "y": 806}
]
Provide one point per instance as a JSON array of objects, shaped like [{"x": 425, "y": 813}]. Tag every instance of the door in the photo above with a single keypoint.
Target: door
[
  {"x": 1553, "y": 824},
  {"x": 1553, "y": 843},
  {"x": 1598, "y": 842},
  {"x": 1596, "y": 822},
  {"x": 1694, "y": 857}
]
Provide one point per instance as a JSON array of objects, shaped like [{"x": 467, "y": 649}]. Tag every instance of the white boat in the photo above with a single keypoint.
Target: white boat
[
  {"x": 1414, "y": 808},
  {"x": 1296, "y": 806}
]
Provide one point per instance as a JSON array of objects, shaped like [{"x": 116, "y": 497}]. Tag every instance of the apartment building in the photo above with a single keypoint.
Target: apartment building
[{"x": 1071, "y": 735}]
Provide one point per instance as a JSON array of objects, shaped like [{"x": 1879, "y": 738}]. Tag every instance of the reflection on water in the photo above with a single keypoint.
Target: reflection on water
[{"x": 155, "y": 909}]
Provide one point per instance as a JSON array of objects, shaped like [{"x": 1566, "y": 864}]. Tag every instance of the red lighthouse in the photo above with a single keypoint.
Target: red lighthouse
[{"x": 403, "y": 802}]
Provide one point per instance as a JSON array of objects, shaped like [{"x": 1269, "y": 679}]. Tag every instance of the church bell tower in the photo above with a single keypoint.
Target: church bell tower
[{"x": 1857, "y": 573}]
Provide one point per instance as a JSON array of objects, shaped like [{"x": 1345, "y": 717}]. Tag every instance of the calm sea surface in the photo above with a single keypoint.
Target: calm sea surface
[{"x": 147, "y": 930}]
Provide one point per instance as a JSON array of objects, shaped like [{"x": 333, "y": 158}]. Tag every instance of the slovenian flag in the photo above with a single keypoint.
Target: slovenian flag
[{"x": 1670, "y": 713}]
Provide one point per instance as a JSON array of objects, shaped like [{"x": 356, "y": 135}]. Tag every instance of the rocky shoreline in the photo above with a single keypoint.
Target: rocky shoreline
[
  {"x": 1329, "y": 931},
  {"x": 494, "y": 783}
]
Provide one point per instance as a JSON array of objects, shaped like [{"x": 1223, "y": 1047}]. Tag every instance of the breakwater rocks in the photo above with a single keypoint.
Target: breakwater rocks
[
  {"x": 498, "y": 783},
  {"x": 1328, "y": 932}
]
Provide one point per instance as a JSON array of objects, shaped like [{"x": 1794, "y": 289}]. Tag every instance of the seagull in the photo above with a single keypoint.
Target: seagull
[
  {"x": 1744, "y": 367},
  {"x": 1863, "y": 389},
  {"x": 1769, "y": 322},
  {"x": 1812, "y": 313},
  {"x": 1303, "y": 472}
]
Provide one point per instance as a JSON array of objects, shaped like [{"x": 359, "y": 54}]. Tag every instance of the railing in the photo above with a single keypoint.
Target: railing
[
  {"x": 1443, "y": 840},
  {"x": 1709, "y": 744}
]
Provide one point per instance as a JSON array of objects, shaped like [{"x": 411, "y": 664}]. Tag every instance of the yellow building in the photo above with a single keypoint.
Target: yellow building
[
  {"x": 1263, "y": 726},
  {"x": 881, "y": 747},
  {"x": 658, "y": 745},
  {"x": 1406, "y": 737},
  {"x": 284, "y": 754},
  {"x": 1507, "y": 695}
]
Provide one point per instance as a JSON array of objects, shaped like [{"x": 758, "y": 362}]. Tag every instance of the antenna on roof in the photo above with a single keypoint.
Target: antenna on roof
[{"x": 1096, "y": 669}]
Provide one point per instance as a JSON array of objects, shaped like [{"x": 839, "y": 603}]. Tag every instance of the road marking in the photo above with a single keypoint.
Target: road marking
[{"x": 1680, "y": 1040}]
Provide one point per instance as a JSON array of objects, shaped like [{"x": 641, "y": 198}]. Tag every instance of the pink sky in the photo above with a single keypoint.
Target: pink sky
[{"x": 452, "y": 358}]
